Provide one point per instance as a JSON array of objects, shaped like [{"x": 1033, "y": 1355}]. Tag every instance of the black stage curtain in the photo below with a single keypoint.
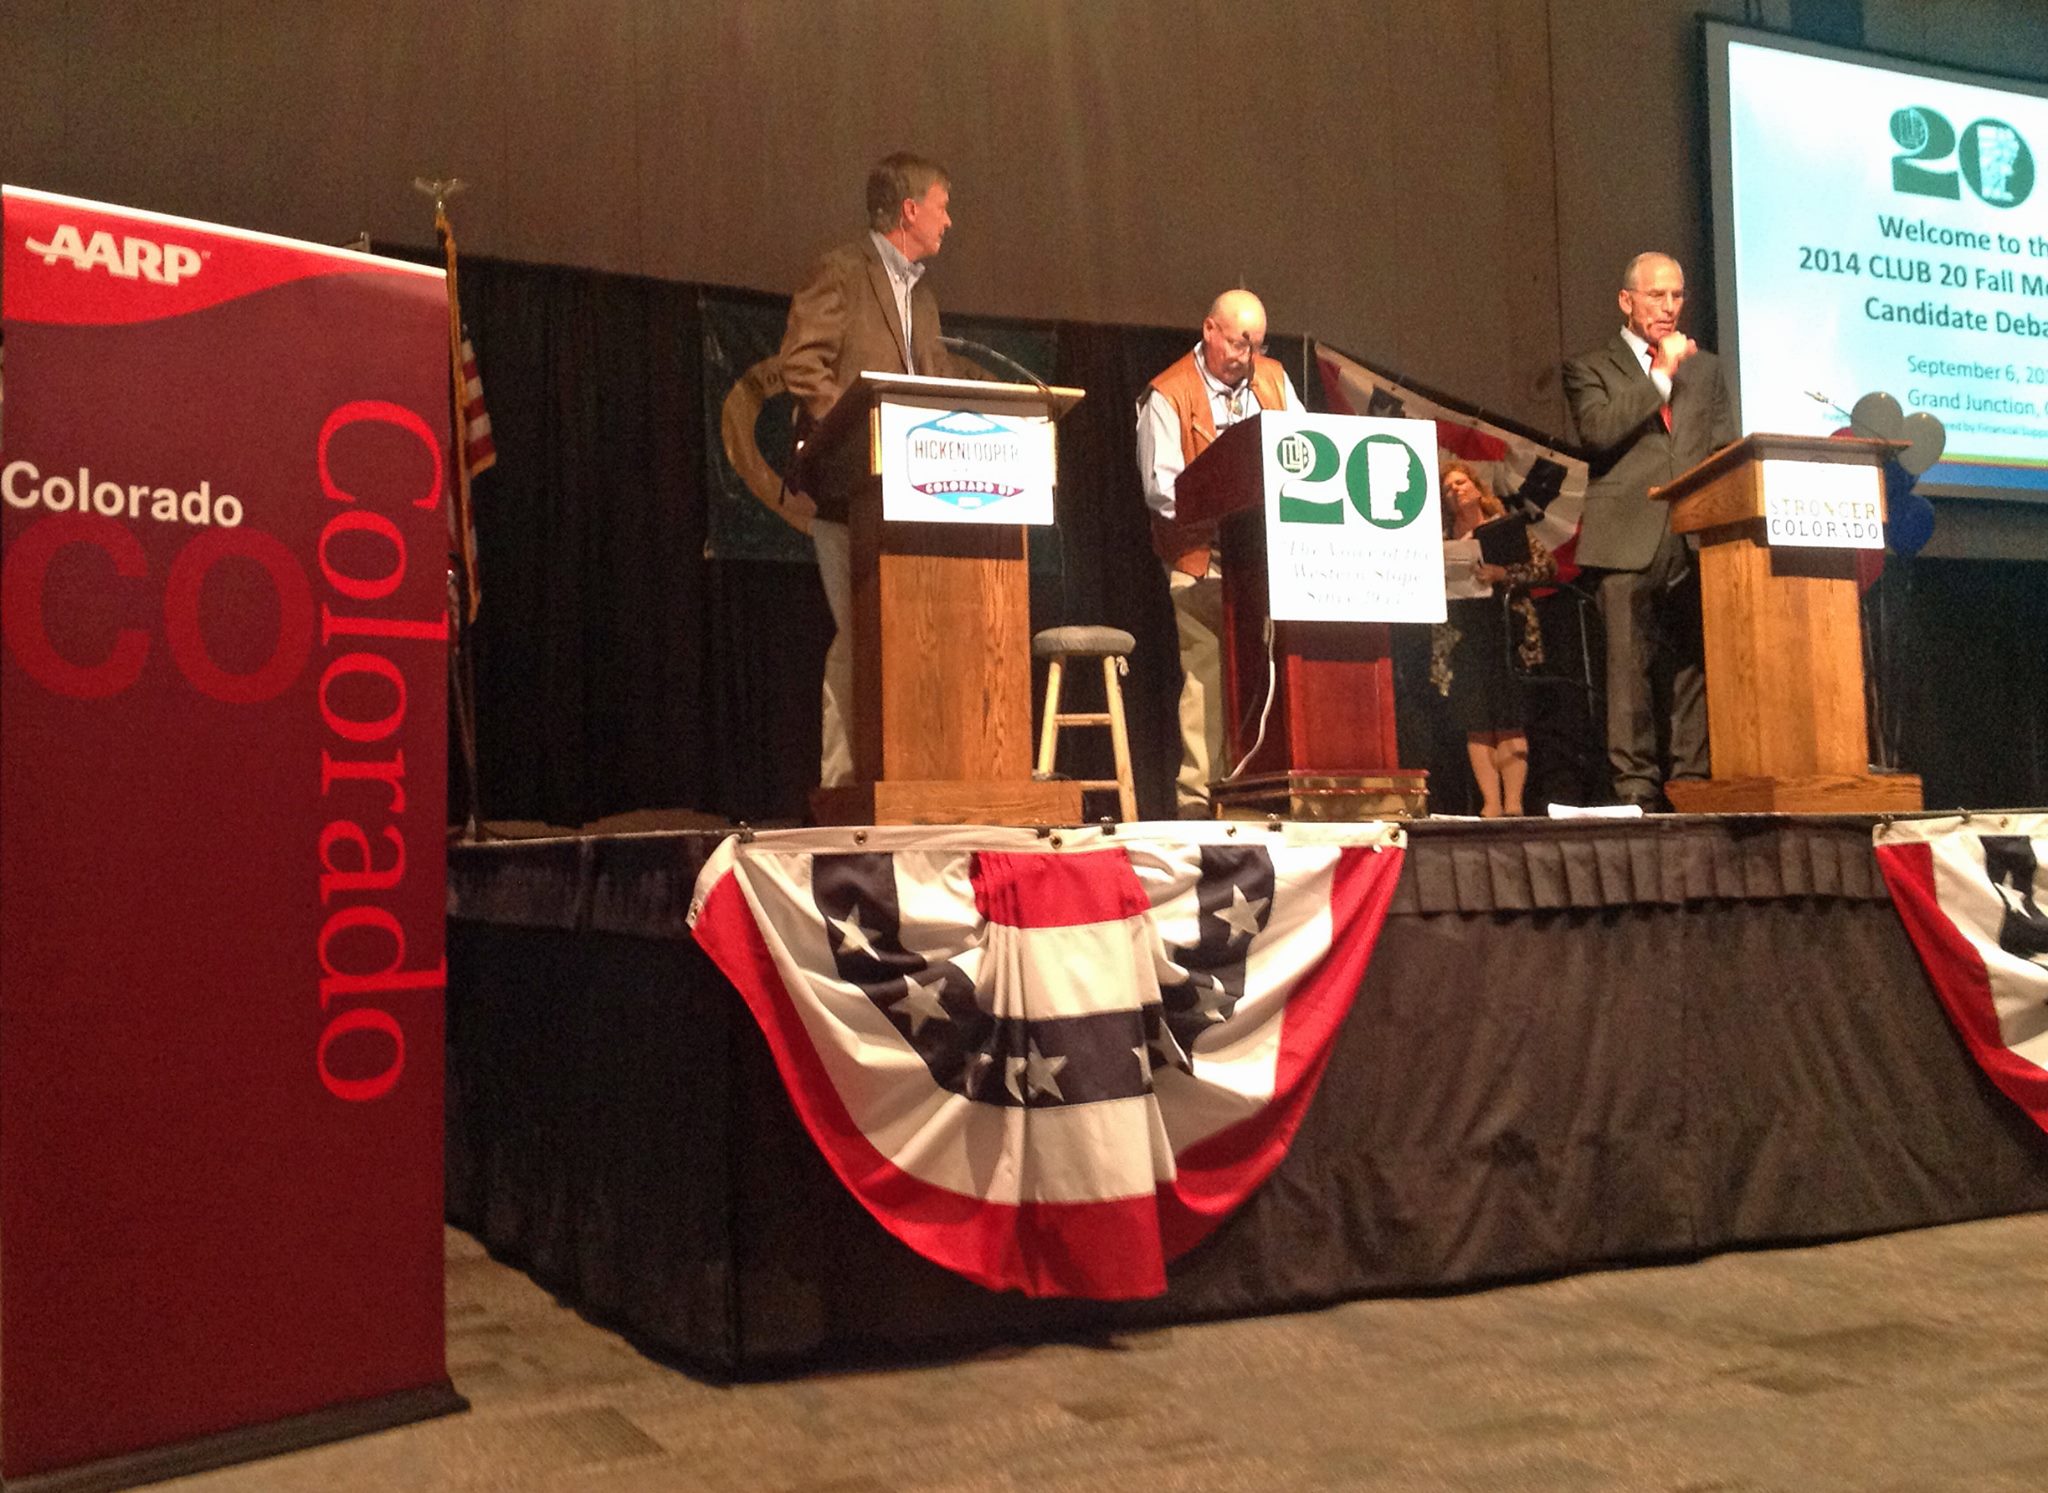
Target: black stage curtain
[
  {"x": 593, "y": 653},
  {"x": 617, "y": 669},
  {"x": 1962, "y": 652},
  {"x": 1575, "y": 1045}
]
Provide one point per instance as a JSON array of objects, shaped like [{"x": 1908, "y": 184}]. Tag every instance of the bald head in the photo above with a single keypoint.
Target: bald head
[
  {"x": 1233, "y": 333},
  {"x": 1632, "y": 273},
  {"x": 1236, "y": 304}
]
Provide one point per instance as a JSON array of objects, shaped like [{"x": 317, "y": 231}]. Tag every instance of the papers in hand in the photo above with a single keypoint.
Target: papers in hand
[{"x": 1461, "y": 570}]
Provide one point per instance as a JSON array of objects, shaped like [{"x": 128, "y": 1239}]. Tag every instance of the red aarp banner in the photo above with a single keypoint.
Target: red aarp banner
[{"x": 223, "y": 459}]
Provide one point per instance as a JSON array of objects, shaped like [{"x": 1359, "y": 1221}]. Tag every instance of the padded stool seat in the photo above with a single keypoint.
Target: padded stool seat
[
  {"x": 1082, "y": 642},
  {"x": 1113, "y": 646}
]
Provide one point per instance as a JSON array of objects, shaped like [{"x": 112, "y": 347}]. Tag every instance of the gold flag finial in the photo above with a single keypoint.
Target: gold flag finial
[{"x": 440, "y": 188}]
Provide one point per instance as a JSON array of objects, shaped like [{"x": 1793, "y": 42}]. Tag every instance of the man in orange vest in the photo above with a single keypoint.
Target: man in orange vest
[{"x": 1227, "y": 377}]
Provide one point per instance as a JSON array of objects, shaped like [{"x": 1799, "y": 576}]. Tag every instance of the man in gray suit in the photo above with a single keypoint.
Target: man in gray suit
[{"x": 1649, "y": 403}]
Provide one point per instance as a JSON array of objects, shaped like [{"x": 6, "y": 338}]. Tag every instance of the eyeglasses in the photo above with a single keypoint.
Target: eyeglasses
[{"x": 1241, "y": 342}]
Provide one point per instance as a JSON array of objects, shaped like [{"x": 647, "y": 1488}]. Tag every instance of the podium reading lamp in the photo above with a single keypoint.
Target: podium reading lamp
[
  {"x": 1779, "y": 519},
  {"x": 942, "y": 477}
]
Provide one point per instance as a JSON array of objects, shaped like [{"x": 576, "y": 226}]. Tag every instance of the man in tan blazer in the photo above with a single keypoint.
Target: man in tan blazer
[{"x": 863, "y": 308}]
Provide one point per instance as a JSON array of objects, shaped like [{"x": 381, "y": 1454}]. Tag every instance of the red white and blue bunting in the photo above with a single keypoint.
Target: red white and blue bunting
[
  {"x": 1973, "y": 894},
  {"x": 1050, "y": 1063}
]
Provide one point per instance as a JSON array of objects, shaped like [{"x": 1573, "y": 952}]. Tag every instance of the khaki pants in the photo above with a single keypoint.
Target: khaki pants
[
  {"x": 1198, "y": 617},
  {"x": 835, "y": 568}
]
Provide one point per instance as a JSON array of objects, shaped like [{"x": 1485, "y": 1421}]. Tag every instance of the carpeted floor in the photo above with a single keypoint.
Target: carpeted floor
[{"x": 1910, "y": 1362}]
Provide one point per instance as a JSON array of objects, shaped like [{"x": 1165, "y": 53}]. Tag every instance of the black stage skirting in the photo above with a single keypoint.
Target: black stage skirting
[{"x": 1576, "y": 1044}]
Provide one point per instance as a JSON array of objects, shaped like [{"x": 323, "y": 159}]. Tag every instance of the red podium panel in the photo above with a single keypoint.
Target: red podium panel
[
  {"x": 222, "y": 819},
  {"x": 1329, "y": 748}
]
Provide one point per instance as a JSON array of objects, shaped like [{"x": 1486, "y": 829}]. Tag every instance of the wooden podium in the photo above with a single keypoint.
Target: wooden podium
[
  {"x": 1329, "y": 750},
  {"x": 941, "y": 727},
  {"x": 1783, "y": 632}
]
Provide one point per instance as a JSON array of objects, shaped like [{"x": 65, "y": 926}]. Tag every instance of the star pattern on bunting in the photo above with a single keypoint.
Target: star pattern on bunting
[
  {"x": 921, "y": 996},
  {"x": 935, "y": 1005},
  {"x": 1213, "y": 1000},
  {"x": 1243, "y": 914},
  {"x": 972, "y": 1067},
  {"x": 853, "y": 936},
  {"x": 1234, "y": 896},
  {"x": 923, "y": 1001},
  {"x": 1042, "y": 1073},
  {"x": 1161, "y": 1049}
]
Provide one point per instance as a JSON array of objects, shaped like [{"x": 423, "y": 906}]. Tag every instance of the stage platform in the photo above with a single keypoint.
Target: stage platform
[{"x": 1578, "y": 1043}]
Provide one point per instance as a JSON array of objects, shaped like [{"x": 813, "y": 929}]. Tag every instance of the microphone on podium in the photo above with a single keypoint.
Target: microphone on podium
[
  {"x": 1876, "y": 415},
  {"x": 983, "y": 350}
]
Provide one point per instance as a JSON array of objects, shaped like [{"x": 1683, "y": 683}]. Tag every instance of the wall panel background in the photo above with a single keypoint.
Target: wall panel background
[{"x": 1448, "y": 189}]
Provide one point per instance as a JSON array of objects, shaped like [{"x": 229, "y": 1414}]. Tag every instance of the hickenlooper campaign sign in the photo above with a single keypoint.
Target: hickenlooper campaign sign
[
  {"x": 222, "y": 813},
  {"x": 945, "y": 465}
]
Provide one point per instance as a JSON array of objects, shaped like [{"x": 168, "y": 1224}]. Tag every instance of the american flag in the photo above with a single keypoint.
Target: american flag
[
  {"x": 478, "y": 454},
  {"x": 1973, "y": 894},
  {"x": 1050, "y": 1064},
  {"x": 474, "y": 450}
]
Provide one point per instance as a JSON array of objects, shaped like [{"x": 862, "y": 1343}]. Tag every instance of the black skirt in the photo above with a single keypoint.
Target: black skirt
[{"x": 1485, "y": 695}]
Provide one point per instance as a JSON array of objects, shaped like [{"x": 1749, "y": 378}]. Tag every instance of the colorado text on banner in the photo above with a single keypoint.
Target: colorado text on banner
[
  {"x": 1050, "y": 1064},
  {"x": 1973, "y": 894},
  {"x": 223, "y": 668}
]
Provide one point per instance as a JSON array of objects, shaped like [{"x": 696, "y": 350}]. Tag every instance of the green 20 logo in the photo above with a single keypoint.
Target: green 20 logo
[
  {"x": 1384, "y": 479},
  {"x": 1995, "y": 161}
]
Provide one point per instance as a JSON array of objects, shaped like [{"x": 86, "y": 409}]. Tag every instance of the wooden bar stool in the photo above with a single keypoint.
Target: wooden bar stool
[{"x": 1113, "y": 646}]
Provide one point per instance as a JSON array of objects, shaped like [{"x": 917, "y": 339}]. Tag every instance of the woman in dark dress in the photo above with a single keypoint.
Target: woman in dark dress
[{"x": 1469, "y": 652}]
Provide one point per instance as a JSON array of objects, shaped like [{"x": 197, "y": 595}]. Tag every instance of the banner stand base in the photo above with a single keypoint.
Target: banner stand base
[
  {"x": 1392, "y": 793},
  {"x": 246, "y": 1443}
]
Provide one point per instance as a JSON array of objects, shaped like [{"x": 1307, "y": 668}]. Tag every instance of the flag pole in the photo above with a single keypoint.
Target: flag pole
[{"x": 463, "y": 592}]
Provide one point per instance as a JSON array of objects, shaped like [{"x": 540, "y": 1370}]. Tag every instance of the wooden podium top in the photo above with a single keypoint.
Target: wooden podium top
[
  {"x": 1230, "y": 474},
  {"x": 1729, "y": 487},
  {"x": 840, "y": 455},
  {"x": 847, "y": 419},
  {"x": 1766, "y": 446}
]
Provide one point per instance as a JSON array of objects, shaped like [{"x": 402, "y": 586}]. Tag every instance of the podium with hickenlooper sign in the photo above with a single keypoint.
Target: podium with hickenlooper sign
[
  {"x": 1330, "y": 531},
  {"x": 1779, "y": 520},
  {"x": 944, "y": 476}
]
